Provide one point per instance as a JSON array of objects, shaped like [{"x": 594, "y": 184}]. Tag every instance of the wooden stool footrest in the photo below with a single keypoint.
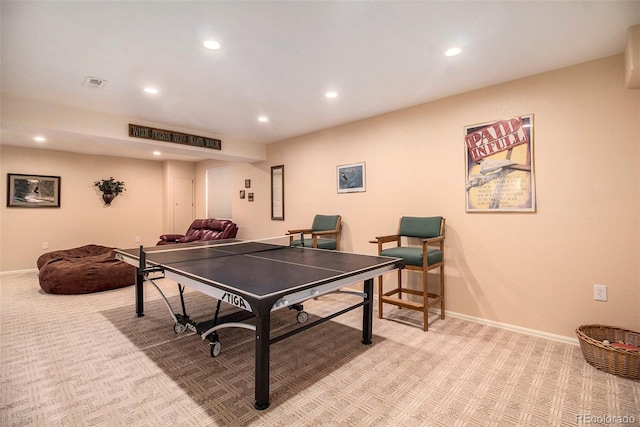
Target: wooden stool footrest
[
  {"x": 404, "y": 291},
  {"x": 402, "y": 303},
  {"x": 433, "y": 299}
]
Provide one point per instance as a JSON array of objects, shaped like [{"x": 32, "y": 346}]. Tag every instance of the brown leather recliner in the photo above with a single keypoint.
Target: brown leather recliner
[{"x": 203, "y": 229}]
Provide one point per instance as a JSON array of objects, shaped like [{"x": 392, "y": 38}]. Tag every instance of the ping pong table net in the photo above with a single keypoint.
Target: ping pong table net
[{"x": 216, "y": 249}]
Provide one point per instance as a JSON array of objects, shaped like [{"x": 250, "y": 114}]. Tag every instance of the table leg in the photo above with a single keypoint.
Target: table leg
[
  {"x": 263, "y": 338},
  {"x": 139, "y": 293},
  {"x": 367, "y": 312}
]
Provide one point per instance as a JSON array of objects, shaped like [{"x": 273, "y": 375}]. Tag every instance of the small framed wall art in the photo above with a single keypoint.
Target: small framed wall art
[{"x": 351, "y": 178}]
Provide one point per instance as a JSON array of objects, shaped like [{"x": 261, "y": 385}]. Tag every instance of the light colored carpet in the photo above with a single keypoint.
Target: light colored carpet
[{"x": 86, "y": 360}]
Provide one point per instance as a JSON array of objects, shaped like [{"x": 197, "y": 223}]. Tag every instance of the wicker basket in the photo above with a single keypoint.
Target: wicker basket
[{"x": 617, "y": 361}]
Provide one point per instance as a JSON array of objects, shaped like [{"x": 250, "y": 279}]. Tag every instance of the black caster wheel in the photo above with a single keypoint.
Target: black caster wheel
[
  {"x": 179, "y": 328},
  {"x": 215, "y": 348}
]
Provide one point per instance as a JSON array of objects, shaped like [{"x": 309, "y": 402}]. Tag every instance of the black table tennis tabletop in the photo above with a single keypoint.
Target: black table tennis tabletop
[{"x": 259, "y": 277}]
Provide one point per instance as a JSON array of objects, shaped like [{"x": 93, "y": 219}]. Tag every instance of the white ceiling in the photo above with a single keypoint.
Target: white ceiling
[{"x": 279, "y": 58}]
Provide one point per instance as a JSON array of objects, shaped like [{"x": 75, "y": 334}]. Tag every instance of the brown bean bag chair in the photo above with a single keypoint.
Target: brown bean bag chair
[{"x": 90, "y": 268}]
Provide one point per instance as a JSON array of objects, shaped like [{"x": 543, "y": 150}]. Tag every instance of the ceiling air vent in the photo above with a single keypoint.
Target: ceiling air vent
[{"x": 94, "y": 83}]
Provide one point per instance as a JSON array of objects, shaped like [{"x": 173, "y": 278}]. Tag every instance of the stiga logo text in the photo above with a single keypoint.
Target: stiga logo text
[{"x": 234, "y": 300}]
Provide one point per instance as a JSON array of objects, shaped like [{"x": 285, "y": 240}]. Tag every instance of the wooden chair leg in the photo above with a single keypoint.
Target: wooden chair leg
[
  {"x": 425, "y": 301},
  {"x": 442, "y": 292},
  {"x": 400, "y": 283},
  {"x": 379, "y": 297}
]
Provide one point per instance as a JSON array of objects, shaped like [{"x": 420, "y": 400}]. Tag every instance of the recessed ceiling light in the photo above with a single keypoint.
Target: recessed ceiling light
[
  {"x": 151, "y": 90},
  {"x": 211, "y": 44},
  {"x": 263, "y": 119},
  {"x": 39, "y": 138},
  {"x": 453, "y": 51},
  {"x": 156, "y": 153},
  {"x": 331, "y": 94}
]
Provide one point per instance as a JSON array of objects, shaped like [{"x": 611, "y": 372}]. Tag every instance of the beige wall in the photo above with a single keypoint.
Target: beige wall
[
  {"x": 83, "y": 217},
  {"x": 253, "y": 218},
  {"x": 531, "y": 270},
  {"x": 201, "y": 184},
  {"x": 174, "y": 170}
]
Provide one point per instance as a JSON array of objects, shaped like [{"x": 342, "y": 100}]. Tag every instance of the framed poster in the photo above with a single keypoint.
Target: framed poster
[
  {"x": 33, "y": 191},
  {"x": 277, "y": 193},
  {"x": 351, "y": 178},
  {"x": 499, "y": 166}
]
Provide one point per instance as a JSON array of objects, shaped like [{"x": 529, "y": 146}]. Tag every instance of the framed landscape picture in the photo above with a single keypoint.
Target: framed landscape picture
[{"x": 33, "y": 191}]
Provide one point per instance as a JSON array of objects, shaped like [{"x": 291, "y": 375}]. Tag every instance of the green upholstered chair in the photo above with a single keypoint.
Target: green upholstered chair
[
  {"x": 420, "y": 243},
  {"x": 324, "y": 233}
]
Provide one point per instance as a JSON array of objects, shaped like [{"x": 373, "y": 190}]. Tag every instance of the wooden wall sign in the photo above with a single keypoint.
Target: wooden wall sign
[{"x": 136, "y": 131}]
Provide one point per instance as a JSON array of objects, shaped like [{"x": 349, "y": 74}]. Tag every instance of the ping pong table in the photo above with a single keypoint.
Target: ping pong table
[{"x": 257, "y": 277}]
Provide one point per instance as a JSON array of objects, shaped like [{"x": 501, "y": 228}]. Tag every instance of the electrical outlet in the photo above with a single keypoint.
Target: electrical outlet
[
  {"x": 137, "y": 239},
  {"x": 45, "y": 245},
  {"x": 600, "y": 292}
]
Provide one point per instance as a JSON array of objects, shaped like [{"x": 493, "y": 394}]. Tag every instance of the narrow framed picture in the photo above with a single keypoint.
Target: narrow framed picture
[
  {"x": 242, "y": 194},
  {"x": 351, "y": 178},
  {"x": 33, "y": 191},
  {"x": 277, "y": 193},
  {"x": 250, "y": 197},
  {"x": 247, "y": 183}
]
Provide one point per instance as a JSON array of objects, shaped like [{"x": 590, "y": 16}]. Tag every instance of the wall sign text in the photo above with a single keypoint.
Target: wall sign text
[{"x": 136, "y": 131}]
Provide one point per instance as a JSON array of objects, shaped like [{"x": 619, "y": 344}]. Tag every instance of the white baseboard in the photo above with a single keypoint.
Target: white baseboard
[
  {"x": 509, "y": 327},
  {"x": 534, "y": 332}
]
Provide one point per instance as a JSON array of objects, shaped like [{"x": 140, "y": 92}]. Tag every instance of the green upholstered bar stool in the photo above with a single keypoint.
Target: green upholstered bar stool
[
  {"x": 324, "y": 233},
  {"x": 423, "y": 257}
]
